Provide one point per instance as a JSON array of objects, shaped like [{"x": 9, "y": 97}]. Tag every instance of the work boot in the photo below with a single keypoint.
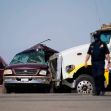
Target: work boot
[
  {"x": 97, "y": 93},
  {"x": 102, "y": 93}
]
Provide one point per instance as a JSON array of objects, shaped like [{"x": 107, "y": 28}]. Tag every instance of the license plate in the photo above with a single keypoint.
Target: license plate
[{"x": 24, "y": 80}]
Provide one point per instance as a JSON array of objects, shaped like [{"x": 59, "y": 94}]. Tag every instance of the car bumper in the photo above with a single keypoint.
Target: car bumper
[
  {"x": 26, "y": 84},
  {"x": 26, "y": 80}
]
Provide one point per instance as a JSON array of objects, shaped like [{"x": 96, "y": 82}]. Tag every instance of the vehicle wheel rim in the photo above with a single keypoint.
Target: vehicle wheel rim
[{"x": 84, "y": 87}]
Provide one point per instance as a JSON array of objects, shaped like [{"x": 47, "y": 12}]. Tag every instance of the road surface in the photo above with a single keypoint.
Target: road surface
[{"x": 54, "y": 102}]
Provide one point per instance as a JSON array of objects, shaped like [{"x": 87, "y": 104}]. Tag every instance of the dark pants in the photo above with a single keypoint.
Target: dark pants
[{"x": 98, "y": 74}]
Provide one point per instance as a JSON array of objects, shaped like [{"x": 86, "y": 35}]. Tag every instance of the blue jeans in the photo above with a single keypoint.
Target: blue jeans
[{"x": 98, "y": 74}]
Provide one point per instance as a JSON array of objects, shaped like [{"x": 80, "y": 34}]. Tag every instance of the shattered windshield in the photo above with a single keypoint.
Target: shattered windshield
[{"x": 30, "y": 57}]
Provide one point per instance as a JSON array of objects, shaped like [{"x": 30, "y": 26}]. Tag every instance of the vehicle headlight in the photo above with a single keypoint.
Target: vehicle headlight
[
  {"x": 7, "y": 72},
  {"x": 70, "y": 68},
  {"x": 43, "y": 72}
]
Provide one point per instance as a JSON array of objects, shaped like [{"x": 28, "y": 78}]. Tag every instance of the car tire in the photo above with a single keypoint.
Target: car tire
[
  {"x": 85, "y": 85},
  {"x": 53, "y": 88},
  {"x": 1, "y": 81},
  {"x": 6, "y": 90}
]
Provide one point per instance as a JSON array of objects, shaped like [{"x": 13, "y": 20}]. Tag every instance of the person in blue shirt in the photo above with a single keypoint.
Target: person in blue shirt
[{"x": 98, "y": 51}]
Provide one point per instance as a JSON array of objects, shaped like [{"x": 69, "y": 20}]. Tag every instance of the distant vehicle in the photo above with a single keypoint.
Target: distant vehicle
[
  {"x": 67, "y": 67},
  {"x": 29, "y": 68},
  {"x": 2, "y": 67}
]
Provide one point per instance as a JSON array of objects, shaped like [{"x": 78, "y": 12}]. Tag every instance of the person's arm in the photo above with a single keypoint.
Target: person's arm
[
  {"x": 108, "y": 58},
  {"x": 87, "y": 56},
  {"x": 86, "y": 60},
  {"x": 109, "y": 63},
  {"x": 107, "y": 52}
]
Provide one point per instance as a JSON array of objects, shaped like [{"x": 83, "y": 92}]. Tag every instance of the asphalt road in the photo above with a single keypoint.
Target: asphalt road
[{"x": 54, "y": 102}]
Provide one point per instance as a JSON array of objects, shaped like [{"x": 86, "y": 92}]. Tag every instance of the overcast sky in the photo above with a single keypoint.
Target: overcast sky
[{"x": 68, "y": 23}]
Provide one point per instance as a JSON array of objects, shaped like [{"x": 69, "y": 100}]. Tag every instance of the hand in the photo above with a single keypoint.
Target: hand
[
  {"x": 108, "y": 66},
  {"x": 85, "y": 65},
  {"x": 87, "y": 58}
]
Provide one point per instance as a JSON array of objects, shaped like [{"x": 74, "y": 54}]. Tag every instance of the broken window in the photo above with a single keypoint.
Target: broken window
[{"x": 31, "y": 56}]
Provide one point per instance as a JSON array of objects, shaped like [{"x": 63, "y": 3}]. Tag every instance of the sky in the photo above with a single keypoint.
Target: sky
[{"x": 68, "y": 23}]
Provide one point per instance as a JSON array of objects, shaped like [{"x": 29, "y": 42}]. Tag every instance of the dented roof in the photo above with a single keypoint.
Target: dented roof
[{"x": 41, "y": 46}]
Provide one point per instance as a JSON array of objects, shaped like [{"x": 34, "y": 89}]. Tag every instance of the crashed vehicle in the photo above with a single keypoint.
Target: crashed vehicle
[
  {"x": 2, "y": 67},
  {"x": 29, "y": 68}
]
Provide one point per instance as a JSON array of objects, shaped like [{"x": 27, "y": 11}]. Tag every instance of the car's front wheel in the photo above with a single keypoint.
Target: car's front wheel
[{"x": 85, "y": 85}]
